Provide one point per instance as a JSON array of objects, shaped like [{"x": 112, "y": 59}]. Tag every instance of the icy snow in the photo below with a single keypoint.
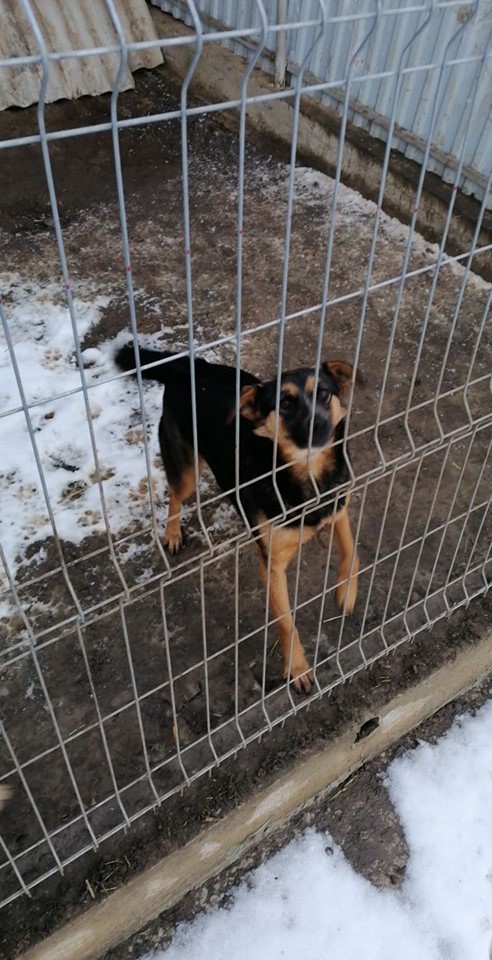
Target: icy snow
[
  {"x": 44, "y": 347},
  {"x": 307, "y": 902}
]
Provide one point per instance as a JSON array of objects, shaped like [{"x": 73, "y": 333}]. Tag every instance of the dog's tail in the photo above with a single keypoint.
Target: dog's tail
[{"x": 126, "y": 360}]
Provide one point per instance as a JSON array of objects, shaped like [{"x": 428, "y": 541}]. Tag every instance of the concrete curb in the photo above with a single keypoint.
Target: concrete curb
[{"x": 123, "y": 914}]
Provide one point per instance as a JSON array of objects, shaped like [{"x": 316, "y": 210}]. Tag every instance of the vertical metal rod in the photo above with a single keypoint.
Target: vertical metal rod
[
  {"x": 331, "y": 235},
  {"x": 281, "y": 46},
  {"x": 265, "y": 628},
  {"x": 295, "y": 601},
  {"x": 137, "y": 701},
  {"x": 34, "y": 806},
  {"x": 327, "y": 273},
  {"x": 287, "y": 242},
  {"x": 39, "y": 464},
  {"x": 476, "y": 542},
  {"x": 236, "y": 644},
  {"x": 471, "y": 504},
  {"x": 240, "y": 232},
  {"x": 324, "y": 594},
  {"x": 438, "y": 103},
  {"x": 448, "y": 518},
  {"x": 377, "y": 555},
  {"x": 423, "y": 539},
  {"x": 192, "y": 11},
  {"x": 120, "y": 190},
  {"x": 478, "y": 342},
  {"x": 400, "y": 545},
  {"x": 66, "y": 278},
  {"x": 469, "y": 114},
  {"x": 283, "y": 311},
  {"x": 100, "y": 723},
  {"x": 167, "y": 647},
  {"x": 377, "y": 218},
  {"x": 205, "y": 661}
]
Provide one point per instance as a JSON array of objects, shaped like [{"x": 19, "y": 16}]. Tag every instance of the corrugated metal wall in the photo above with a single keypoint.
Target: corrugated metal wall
[
  {"x": 68, "y": 25},
  {"x": 422, "y": 39}
]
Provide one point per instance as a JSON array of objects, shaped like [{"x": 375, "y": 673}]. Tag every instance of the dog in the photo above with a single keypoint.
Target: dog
[{"x": 281, "y": 525}]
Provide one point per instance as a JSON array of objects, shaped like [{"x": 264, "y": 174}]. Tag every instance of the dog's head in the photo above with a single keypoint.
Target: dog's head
[{"x": 299, "y": 406}]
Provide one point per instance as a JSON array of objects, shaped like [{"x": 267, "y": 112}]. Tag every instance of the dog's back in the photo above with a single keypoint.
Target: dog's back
[
  {"x": 215, "y": 386},
  {"x": 215, "y": 383}
]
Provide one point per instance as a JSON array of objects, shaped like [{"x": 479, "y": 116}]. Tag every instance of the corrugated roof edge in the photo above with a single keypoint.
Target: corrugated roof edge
[{"x": 85, "y": 25}]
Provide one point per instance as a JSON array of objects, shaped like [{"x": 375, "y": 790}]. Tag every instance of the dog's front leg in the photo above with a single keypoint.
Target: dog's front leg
[
  {"x": 278, "y": 596},
  {"x": 348, "y": 567}
]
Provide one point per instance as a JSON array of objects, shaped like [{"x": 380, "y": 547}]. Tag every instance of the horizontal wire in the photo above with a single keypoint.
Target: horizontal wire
[
  {"x": 216, "y": 36},
  {"x": 128, "y": 122}
]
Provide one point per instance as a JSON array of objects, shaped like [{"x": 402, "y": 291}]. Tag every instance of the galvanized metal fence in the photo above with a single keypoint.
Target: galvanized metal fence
[
  {"x": 128, "y": 675},
  {"x": 428, "y": 127}
]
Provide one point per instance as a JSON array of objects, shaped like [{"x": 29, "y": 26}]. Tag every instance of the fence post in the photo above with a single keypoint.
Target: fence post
[{"x": 281, "y": 47}]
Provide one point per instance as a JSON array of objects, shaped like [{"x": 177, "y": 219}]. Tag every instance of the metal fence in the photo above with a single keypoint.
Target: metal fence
[
  {"x": 128, "y": 674},
  {"x": 428, "y": 127}
]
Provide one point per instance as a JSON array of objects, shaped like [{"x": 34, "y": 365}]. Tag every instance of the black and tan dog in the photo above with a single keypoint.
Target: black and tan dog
[{"x": 277, "y": 539}]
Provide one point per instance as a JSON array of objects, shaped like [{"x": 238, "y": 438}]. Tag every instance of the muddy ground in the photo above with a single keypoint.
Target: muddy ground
[{"x": 399, "y": 568}]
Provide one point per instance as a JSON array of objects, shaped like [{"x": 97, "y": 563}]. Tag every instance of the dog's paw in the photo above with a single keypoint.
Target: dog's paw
[
  {"x": 173, "y": 539},
  {"x": 346, "y": 595},
  {"x": 301, "y": 675}
]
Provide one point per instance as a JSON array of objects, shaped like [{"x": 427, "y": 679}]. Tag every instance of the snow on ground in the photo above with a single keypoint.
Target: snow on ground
[
  {"x": 41, "y": 331},
  {"x": 307, "y": 901}
]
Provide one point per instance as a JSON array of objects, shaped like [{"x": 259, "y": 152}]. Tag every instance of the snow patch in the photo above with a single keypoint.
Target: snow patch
[
  {"x": 43, "y": 340},
  {"x": 307, "y": 901}
]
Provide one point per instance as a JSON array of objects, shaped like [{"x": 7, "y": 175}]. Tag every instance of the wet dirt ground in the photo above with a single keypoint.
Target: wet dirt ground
[{"x": 405, "y": 557}]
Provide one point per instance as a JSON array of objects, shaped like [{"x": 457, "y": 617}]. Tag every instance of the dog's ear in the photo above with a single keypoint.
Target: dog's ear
[
  {"x": 248, "y": 401},
  {"x": 343, "y": 374}
]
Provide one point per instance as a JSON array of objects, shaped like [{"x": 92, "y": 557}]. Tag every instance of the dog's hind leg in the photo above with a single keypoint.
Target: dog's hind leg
[
  {"x": 179, "y": 464},
  {"x": 173, "y": 537},
  {"x": 348, "y": 564}
]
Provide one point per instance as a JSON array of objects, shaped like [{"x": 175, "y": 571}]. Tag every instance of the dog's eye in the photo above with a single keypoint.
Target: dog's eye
[
  {"x": 286, "y": 402},
  {"x": 324, "y": 396}
]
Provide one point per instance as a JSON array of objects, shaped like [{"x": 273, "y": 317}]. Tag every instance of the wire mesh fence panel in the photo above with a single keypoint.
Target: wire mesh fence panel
[{"x": 348, "y": 427}]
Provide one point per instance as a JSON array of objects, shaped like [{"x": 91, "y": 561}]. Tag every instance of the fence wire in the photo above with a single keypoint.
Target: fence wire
[{"x": 126, "y": 674}]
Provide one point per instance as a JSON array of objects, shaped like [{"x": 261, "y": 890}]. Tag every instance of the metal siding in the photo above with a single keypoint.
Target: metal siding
[
  {"x": 372, "y": 100},
  {"x": 70, "y": 25}
]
